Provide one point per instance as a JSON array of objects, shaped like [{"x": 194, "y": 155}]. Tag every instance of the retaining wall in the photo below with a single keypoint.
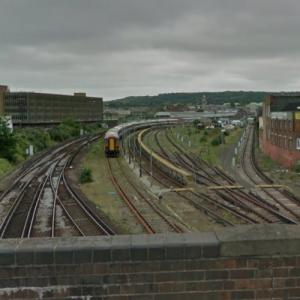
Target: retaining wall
[{"x": 246, "y": 262}]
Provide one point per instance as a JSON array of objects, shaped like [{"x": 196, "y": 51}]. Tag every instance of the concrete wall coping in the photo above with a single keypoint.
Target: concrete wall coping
[{"x": 245, "y": 240}]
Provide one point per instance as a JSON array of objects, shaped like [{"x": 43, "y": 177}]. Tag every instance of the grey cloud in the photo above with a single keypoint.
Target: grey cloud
[{"x": 116, "y": 48}]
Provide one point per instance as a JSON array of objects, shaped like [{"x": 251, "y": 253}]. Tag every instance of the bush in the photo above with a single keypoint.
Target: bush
[
  {"x": 216, "y": 141},
  {"x": 8, "y": 142},
  {"x": 85, "y": 175},
  {"x": 5, "y": 166},
  {"x": 66, "y": 130},
  {"x": 39, "y": 138},
  {"x": 296, "y": 168},
  {"x": 195, "y": 123},
  {"x": 203, "y": 139}
]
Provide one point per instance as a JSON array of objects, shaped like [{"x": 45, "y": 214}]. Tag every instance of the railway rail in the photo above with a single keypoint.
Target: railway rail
[
  {"x": 41, "y": 201},
  {"x": 284, "y": 201},
  {"x": 143, "y": 208},
  {"x": 193, "y": 198},
  {"x": 248, "y": 206}
]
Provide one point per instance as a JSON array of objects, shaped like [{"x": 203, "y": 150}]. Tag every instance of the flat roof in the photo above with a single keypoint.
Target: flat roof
[
  {"x": 285, "y": 103},
  {"x": 52, "y": 95}
]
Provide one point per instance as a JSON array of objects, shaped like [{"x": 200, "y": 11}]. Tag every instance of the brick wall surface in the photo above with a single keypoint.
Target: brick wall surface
[
  {"x": 246, "y": 262},
  {"x": 285, "y": 157}
]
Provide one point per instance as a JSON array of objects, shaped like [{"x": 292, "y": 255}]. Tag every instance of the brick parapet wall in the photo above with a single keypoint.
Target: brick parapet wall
[{"x": 246, "y": 262}]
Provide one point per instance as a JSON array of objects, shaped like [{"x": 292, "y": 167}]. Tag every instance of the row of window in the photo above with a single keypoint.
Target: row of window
[
  {"x": 15, "y": 102},
  {"x": 51, "y": 109},
  {"x": 18, "y": 117},
  {"x": 63, "y": 102},
  {"x": 284, "y": 125},
  {"x": 282, "y": 141},
  {"x": 60, "y": 109},
  {"x": 11, "y": 109}
]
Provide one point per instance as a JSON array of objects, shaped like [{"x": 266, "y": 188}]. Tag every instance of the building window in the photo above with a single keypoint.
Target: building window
[
  {"x": 290, "y": 143},
  {"x": 298, "y": 143}
]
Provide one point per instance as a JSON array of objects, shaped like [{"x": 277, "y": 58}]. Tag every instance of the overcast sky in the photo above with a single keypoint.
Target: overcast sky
[{"x": 117, "y": 48}]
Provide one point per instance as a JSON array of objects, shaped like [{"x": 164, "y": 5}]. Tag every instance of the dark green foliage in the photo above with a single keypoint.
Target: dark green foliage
[
  {"x": 203, "y": 139},
  {"x": 297, "y": 167},
  {"x": 66, "y": 130},
  {"x": 242, "y": 97},
  {"x": 91, "y": 128},
  {"x": 85, "y": 175},
  {"x": 13, "y": 145},
  {"x": 195, "y": 123},
  {"x": 8, "y": 142},
  {"x": 216, "y": 141},
  {"x": 5, "y": 166},
  {"x": 226, "y": 133},
  {"x": 39, "y": 138},
  {"x": 205, "y": 133}
]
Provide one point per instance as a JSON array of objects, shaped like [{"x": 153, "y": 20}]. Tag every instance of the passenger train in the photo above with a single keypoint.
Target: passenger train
[{"x": 114, "y": 136}]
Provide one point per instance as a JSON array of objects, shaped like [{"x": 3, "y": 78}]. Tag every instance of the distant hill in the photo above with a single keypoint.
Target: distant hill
[{"x": 188, "y": 98}]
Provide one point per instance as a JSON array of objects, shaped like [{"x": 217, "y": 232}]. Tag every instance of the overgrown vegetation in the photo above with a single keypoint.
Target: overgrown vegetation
[
  {"x": 8, "y": 142},
  {"x": 85, "y": 176},
  {"x": 5, "y": 166},
  {"x": 297, "y": 167},
  {"x": 216, "y": 141},
  {"x": 67, "y": 129},
  {"x": 14, "y": 145},
  {"x": 206, "y": 142}
]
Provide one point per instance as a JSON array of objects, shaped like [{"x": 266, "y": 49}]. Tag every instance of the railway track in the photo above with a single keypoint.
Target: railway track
[
  {"x": 195, "y": 200},
  {"x": 143, "y": 208},
  {"x": 206, "y": 175},
  {"x": 44, "y": 204},
  {"x": 255, "y": 208},
  {"x": 285, "y": 202},
  {"x": 249, "y": 207}
]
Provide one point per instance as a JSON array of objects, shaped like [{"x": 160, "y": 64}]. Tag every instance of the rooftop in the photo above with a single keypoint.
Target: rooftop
[{"x": 285, "y": 103}]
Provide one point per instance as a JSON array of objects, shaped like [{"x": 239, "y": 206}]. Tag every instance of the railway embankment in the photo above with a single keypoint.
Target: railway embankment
[
  {"x": 245, "y": 262},
  {"x": 19, "y": 146}
]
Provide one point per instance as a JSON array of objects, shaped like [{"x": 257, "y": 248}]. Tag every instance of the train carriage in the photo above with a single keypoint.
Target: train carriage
[
  {"x": 113, "y": 136},
  {"x": 112, "y": 147}
]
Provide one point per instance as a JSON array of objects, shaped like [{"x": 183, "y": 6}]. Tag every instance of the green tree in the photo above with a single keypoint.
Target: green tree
[
  {"x": 8, "y": 142},
  {"x": 65, "y": 130}
]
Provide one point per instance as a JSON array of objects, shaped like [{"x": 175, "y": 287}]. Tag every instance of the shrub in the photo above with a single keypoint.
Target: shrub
[
  {"x": 203, "y": 139},
  {"x": 85, "y": 175},
  {"x": 8, "y": 142},
  {"x": 39, "y": 138},
  {"x": 66, "y": 130},
  {"x": 5, "y": 166},
  {"x": 296, "y": 168},
  {"x": 216, "y": 141}
]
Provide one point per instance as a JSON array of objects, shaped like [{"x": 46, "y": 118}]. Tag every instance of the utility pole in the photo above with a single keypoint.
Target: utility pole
[
  {"x": 140, "y": 160},
  {"x": 123, "y": 146},
  {"x": 151, "y": 163},
  {"x": 134, "y": 148},
  {"x": 129, "y": 154}
]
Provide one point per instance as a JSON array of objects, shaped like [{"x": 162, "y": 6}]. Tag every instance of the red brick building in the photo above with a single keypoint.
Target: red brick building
[{"x": 280, "y": 129}]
